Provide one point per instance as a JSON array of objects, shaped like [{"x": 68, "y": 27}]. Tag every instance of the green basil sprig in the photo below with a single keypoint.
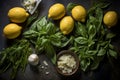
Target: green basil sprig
[{"x": 46, "y": 37}]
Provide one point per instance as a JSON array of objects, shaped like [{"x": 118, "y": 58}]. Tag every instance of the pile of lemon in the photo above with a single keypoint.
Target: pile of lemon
[
  {"x": 57, "y": 11},
  {"x": 16, "y": 15}
]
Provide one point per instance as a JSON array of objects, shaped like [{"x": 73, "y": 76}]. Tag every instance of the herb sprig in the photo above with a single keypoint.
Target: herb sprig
[
  {"x": 46, "y": 37},
  {"x": 15, "y": 57}
]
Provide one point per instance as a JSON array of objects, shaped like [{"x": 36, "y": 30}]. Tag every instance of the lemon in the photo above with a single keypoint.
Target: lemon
[
  {"x": 18, "y": 14},
  {"x": 56, "y": 11},
  {"x": 110, "y": 19},
  {"x": 66, "y": 25},
  {"x": 79, "y": 13},
  {"x": 12, "y": 30}
]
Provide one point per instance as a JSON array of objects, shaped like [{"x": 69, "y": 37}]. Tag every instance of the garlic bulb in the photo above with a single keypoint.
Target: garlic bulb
[{"x": 33, "y": 59}]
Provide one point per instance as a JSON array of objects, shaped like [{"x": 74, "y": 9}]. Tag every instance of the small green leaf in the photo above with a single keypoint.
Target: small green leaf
[
  {"x": 81, "y": 40},
  {"x": 55, "y": 40},
  {"x": 110, "y": 35},
  {"x": 92, "y": 52},
  {"x": 111, "y": 46},
  {"x": 91, "y": 43},
  {"x": 102, "y": 4},
  {"x": 31, "y": 19},
  {"x": 103, "y": 43},
  {"x": 50, "y": 28},
  {"x": 70, "y": 6},
  {"x": 101, "y": 52},
  {"x": 66, "y": 41},
  {"x": 85, "y": 63},
  {"x": 50, "y": 52},
  {"x": 34, "y": 25},
  {"x": 112, "y": 53},
  {"x": 80, "y": 29},
  {"x": 96, "y": 62},
  {"x": 41, "y": 23},
  {"x": 30, "y": 34},
  {"x": 91, "y": 31}
]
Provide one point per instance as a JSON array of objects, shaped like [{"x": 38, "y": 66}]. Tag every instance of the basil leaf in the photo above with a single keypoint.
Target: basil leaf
[
  {"x": 80, "y": 29},
  {"x": 102, "y": 44},
  {"x": 34, "y": 25},
  {"x": 101, "y": 52},
  {"x": 99, "y": 14},
  {"x": 91, "y": 31},
  {"x": 70, "y": 6},
  {"x": 99, "y": 17},
  {"x": 55, "y": 40},
  {"x": 85, "y": 63},
  {"x": 65, "y": 41},
  {"x": 30, "y": 34},
  {"x": 50, "y": 52},
  {"x": 41, "y": 23},
  {"x": 112, "y": 53},
  {"x": 81, "y": 40},
  {"x": 92, "y": 52},
  {"x": 91, "y": 43},
  {"x": 102, "y": 4},
  {"x": 94, "y": 65},
  {"x": 31, "y": 19},
  {"x": 50, "y": 28},
  {"x": 110, "y": 35},
  {"x": 111, "y": 46}
]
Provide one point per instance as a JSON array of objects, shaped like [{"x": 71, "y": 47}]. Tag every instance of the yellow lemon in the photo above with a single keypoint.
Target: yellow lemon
[
  {"x": 66, "y": 25},
  {"x": 79, "y": 13},
  {"x": 110, "y": 19},
  {"x": 12, "y": 30},
  {"x": 56, "y": 11},
  {"x": 18, "y": 14}
]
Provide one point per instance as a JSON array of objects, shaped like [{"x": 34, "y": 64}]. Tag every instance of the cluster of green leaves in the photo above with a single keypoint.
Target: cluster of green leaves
[
  {"x": 46, "y": 38},
  {"x": 15, "y": 57},
  {"x": 92, "y": 39}
]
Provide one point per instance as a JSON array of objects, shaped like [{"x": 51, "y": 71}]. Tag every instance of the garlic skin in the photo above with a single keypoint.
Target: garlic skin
[{"x": 33, "y": 59}]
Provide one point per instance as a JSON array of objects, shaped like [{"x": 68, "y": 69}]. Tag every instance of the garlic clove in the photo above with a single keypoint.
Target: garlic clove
[{"x": 33, "y": 59}]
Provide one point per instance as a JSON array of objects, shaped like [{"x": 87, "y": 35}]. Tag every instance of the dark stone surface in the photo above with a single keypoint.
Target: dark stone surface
[{"x": 106, "y": 71}]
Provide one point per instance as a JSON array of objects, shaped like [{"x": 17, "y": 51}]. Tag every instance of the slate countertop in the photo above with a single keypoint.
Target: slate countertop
[{"x": 106, "y": 71}]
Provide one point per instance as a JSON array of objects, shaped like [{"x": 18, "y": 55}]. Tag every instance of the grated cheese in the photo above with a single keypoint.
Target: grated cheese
[
  {"x": 66, "y": 63},
  {"x": 30, "y": 5}
]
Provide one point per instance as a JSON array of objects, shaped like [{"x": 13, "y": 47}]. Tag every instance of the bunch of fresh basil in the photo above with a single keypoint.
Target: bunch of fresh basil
[
  {"x": 46, "y": 38},
  {"x": 92, "y": 39}
]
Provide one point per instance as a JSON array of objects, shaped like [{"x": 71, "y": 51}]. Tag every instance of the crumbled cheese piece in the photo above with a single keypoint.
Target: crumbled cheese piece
[
  {"x": 29, "y": 4},
  {"x": 66, "y": 63},
  {"x": 42, "y": 67},
  {"x": 46, "y": 64},
  {"x": 47, "y": 73}
]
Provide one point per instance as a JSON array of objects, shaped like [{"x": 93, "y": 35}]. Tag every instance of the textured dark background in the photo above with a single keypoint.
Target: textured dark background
[{"x": 106, "y": 71}]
